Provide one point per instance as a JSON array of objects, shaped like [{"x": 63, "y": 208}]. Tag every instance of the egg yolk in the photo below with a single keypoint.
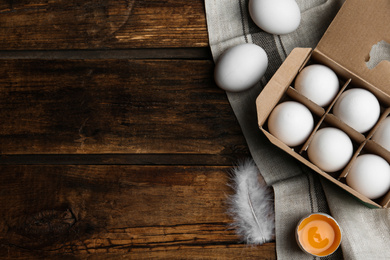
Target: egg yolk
[{"x": 319, "y": 235}]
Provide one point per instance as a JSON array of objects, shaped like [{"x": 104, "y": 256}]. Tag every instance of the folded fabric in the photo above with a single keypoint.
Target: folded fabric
[{"x": 297, "y": 190}]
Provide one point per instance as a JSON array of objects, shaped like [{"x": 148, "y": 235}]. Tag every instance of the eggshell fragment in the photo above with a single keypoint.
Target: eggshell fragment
[
  {"x": 369, "y": 175},
  {"x": 318, "y": 83},
  {"x": 291, "y": 122},
  {"x": 318, "y": 234},
  {"x": 275, "y": 16},
  {"x": 240, "y": 67},
  {"x": 330, "y": 149},
  {"x": 358, "y": 108},
  {"x": 382, "y": 134}
]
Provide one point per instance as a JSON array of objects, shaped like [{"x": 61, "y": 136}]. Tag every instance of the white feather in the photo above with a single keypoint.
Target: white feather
[{"x": 252, "y": 205}]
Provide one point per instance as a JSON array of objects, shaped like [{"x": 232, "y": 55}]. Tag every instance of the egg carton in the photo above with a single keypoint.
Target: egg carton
[{"x": 344, "y": 48}]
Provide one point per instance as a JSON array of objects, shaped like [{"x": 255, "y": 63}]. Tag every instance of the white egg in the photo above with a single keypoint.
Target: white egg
[
  {"x": 318, "y": 83},
  {"x": 291, "y": 122},
  {"x": 382, "y": 134},
  {"x": 275, "y": 16},
  {"x": 358, "y": 108},
  {"x": 370, "y": 176},
  {"x": 240, "y": 67},
  {"x": 330, "y": 149}
]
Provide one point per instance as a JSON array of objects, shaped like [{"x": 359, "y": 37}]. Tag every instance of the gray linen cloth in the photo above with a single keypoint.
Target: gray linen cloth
[{"x": 298, "y": 190}]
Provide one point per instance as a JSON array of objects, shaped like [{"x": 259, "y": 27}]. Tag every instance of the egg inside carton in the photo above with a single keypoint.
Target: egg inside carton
[{"x": 362, "y": 141}]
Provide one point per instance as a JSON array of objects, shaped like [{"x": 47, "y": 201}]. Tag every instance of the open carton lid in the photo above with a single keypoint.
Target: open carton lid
[
  {"x": 358, "y": 26},
  {"x": 345, "y": 47}
]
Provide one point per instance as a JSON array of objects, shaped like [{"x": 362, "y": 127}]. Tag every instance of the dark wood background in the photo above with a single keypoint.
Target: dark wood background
[{"x": 115, "y": 141}]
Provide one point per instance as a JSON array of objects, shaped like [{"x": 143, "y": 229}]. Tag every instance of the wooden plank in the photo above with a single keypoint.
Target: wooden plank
[
  {"x": 118, "y": 211},
  {"x": 136, "y": 53},
  {"x": 115, "y": 106},
  {"x": 98, "y": 24},
  {"x": 126, "y": 159}
]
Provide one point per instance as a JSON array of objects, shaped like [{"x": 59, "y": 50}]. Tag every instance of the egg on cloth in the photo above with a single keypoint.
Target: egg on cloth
[
  {"x": 291, "y": 122},
  {"x": 240, "y": 67},
  {"x": 370, "y": 176},
  {"x": 318, "y": 83},
  {"x": 275, "y": 16},
  {"x": 330, "y": 149},
  {"x": 382, "y": 134},
  {"x": 358, "y": 108}
]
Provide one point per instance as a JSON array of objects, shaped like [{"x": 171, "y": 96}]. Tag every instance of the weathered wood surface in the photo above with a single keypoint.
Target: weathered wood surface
[
  {"x": 97, "y": 24},
  {"x": 135, "y": 211},
  {"x": 114, "y": 106},
  {"x": 114, "y": 140}
]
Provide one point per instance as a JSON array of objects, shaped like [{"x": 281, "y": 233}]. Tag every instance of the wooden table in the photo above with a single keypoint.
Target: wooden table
[{"x": 115, "y": 141}]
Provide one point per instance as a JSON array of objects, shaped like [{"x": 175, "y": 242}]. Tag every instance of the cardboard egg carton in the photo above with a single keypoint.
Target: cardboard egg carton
[{"x": 345, "y": 48}]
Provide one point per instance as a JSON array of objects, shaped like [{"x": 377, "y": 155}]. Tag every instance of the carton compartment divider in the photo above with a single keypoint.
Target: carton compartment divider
[
  {"x": 342, "y": 181},
  {"x": 338, "y": 174},
  {"x": 385, "y": 201},
  {"x": 384, "y": 115},
  {"x": 345, "y": 49},
  {"x": 337, "y": 68},
  {"x": 310, "y": 138},
  {"x": 342, "y": 89},
  {"x": 296, "y": 149},
  {"x": 355, "y": 136},
  {"x": 346, "y": 169},
  {"x": 317, "y": 112},
  {"x": 374, "y": 148},
  {"x": 369, "y": 147},
  {"x": 313, "y": 107},
  {"x": 270, "y": 96},
  {"x": 280, "y": 89},
  {"x": 347, "y": 74}
]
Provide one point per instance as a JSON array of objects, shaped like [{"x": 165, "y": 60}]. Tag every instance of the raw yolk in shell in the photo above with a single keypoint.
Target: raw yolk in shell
[{"x": 319, "y": 235}]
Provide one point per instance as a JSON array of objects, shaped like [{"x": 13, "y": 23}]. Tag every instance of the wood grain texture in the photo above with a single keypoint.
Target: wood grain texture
[
  {"x": 101, "y": 24},
  {"x": 203, "y": 53},
  {"x": 104, "y": 212},
  {"x": 114, "y": 106},
  {"x": 126, "y": 159},
  {"x": 115, "y": 142}
]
